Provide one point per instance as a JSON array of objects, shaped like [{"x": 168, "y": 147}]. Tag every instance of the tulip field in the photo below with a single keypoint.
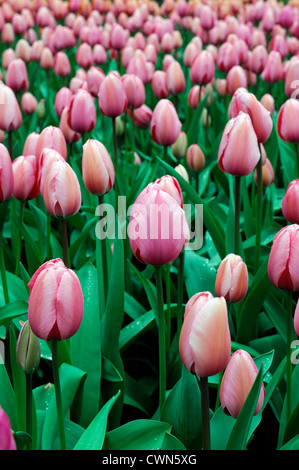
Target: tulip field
[{"x": 149, "y": 227}]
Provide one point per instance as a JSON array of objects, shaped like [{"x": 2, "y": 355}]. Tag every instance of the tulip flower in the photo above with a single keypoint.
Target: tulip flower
[
  {"x": 202, "y": 68},
  {"x": 236, "y": 78},
  {"x": 6, "y": 174},
  {"x": 84, "y": 55},
  {"x": 30, "y": 144},
  {"x": 286, "y": 124},
  {"x": 10, "y": 113},
  {"x": 17, "y": 76},
  {"x": 159, "y": 84},
  {"x": 28, "y": 103},
  {"x": 165, "y": 124},
  {"x": 195, "y": 158},
  {"x": 142, "y": 116},
  {"x": 97, "y": 168},
  {"x": 62, "y": 100},
  {"x": 134, "y": 89},
  {"x": 179, "y": 147},
  {"x": 95, "y": 77},
  {"x": 53, "y": 138},
  {"x": 113, "y": 100},
  {"x": 237, "y": 382},
  {"x": 25, "y": 178},
  {"x": 28, "y": 349},
  {"x": 232, "y": 279},
  {"x": 273, "y": 70},
  {"x": 267, "y": 174},
  {"x": 258, "y": 59},
  {"x": 48, "y": 156},
  {"x": 289, "y": 206},
  {"x": 175, "y": 79},
  {"x": 62, "y": 66},
  {"x": 227, "y": 57},
  {"x": 82, "y": 112},
  {"x": 7, "y": 441},
  {"x": 69, "y": 134}
]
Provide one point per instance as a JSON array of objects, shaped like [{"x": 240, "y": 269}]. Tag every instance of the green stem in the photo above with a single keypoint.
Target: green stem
[
  {"x": 29, "y": 407},
  {"x": 161, "y": 331},
  {"x": 237, "y": 213},
  {"x": 19, "y": 252},
  {"x": 56, "y": 378},
  {"x": 64, "y": 242},
  {"x": 3, "y": 271},
  {"x": 104, "y": 259},
  {"x": 48, "y": 236},
  {"x": 259, "y": 214},
  {"x": 10, "y": 144},
  {"x": 205, "y": 411},
  {"x": 297, "y": 156},
  {"x": 166, "y": 153},
  {"x": 115, "y": 145},
  {"x": 289, "y": 363},
  {"x": 168, "y": 311},
  {"x": 133, "y": 133},
  {"x": 180, "y": 291}
]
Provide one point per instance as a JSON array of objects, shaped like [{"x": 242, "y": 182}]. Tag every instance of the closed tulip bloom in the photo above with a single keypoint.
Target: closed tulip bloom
[
  {"x": 246, "y": 102},
  {"x": 117, "y": 37},
  {"x": 232, "y": 279},
  {"x": 62, "y": 193},
  {"x": 7, "y": 441},
  {"x": 205, "y": 342},
  {"x": 95, "y": 77},
  {"x": 30, "y": 144},
  {"x": 158, "y": 227},
  {"x": 159, "y": 84},
  {"x": 99, "y": 54},
  {"x": 236, "y": 78},
  {"x": 48, "y": 156},
  {"x": 273, "y": 70},
  {"x": 181, "y": 170},
  {"x": 202, "y": 68},
  {"x": 134, "y": 89},
  {"x": 25, "y": 178},
  {"x": 28, "y": 103},
  {"x": 10, "y": 113},
  {"x": 17, "y": 76},
  {"x": 268, "y": 102},
  {"x": 179, "y": 148},
  {"x": 287, "y": 119},
  {"x": 8, "y": 56},
  {"x": 113, "y": 100},
  {"x": 267, "y": 174},
  {"x": 51, "y": 137},
  {"x": 227, "y": 57},
  {"x": 207, "y": 17},
  {"x": 258, "y": 59},
  {"x": 237, "y": 382},
  {"x": 84, "y": 55},
  {"x": 289, "y": 205},
  {"x": 239, "y": 150},
  {"x": 169, "y": 184},
  {"x": 82, "y": 112},
  {"x": 69, "y": 134},
  {"x": 46, "y": 59},
  {"x": 28, "y": 349},
  {"x": 195, "y": 158},
  {"x": 189, "y": 54},
  {"x": 6, "y": 174},
  {"x": 292, "y": 77},
  {"x": 62, "y": 66},
  {"x": 55, "y": 304},
  {"x": 165, "y": 123},
  {"x": 283, "y": 265},
  {"x": 195, "y": 95},
  {"x": 62, "y": 100},
  {"x": 97, "y": 168},
  {"x": 142, "y": 116},
  {"x": 7, "y": 33},
  {"x": 175, "y": 79}
]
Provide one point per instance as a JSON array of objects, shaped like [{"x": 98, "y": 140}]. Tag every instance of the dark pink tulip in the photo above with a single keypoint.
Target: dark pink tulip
[
  {"x": 165, "y": 123},
  {"x": 51, "y": 137},
  {"x": 202, "y": 68},
  {"x": 287, "y": 119},
  {"x": 158, "y": 228},
  {"x": 207, "y": 17},
  {"x": 112, "y": 96},
  {"x": 237, "y": 382},
  {"x": 62, "y": 100},
  {"x": 261, "y": 118},
  {"x": 205, "y": 342},
  {"x": 134, "y": 89},
  {"x": 55, "y": 305},
  {"x": 7, "y": 441},
  {"x": 282, "y": 265},
  {"x": 239, "y": 150},
  {"x": 296, "y": 319},
  {"x": 97, "y": 168},
  {"x": 6, "y": 174},
  {"x": 82, "y": 112},
  {"x": 289, "y": 206},
  {"x": 17, "y": 76},
  {"x": 25, "y": 178},
  {"x": 286, "y": 16},
  {"x": 10, "y": 113},
  {"x": 232, "y": 279}
]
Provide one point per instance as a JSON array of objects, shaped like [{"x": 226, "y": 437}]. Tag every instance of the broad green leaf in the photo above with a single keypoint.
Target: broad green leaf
[
  {"x": 7, "y": 396},
  {"x": 200, "y": 275},
  {"x": 15, "y": 309}
]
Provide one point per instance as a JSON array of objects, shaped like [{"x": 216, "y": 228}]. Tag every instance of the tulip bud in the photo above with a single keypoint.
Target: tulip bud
[
  {"x": 28, "y": 349},
  {"x": 82, "y": 112},
  {"x": 282, "y": 264},
  {"x": 268, "y": 102},
  {"x": 25, "y": 178},
  {"x": 273, "y": 70},
  {"x": 234, "y": 157},
  {"x": 62, "y": 100},
  {"x": 41, "y": 109},
  {"x": 62, "y": 193},
  {"x": 62, "y": 66},
  {"x": 235, "y": 79},
  {"x": 7, "y": 441},
  {"x": 237, "y": 382},
  {"x": 267, "y": 174},
  {"x": 142, "y": 116},
  {"x": 227, "y": 57},
  {"x": 195, "y": 158},
  {"x": 97, "y": 168},
  {"x": 296, "y": 319},
  {"x": 165, "y": 124},
  {"x": 158, "y": 227},
  {"x": 112, "y": 96},
  {"x": 28, "y": 103},
  {"x": 181, "y": 170},
  {"x": 232, "y": 279},
  {"x": 179, "y": 147},
  {"x": 171, "y": 185},
  {"x": 205, "y": 342},
  {"x": 159, "y": 84},
  {"x": 55, "y": 304}
]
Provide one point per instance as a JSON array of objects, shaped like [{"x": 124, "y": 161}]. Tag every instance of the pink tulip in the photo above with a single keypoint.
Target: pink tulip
[
  {"x": 46, "y": 59},
  {"x": 84, "y": 55},
  {"x": 62, "y": 66},
  {"x": 48, "y": 156},
  {"x": 282, "y": 265},
  {"x": 25, "y": 178},
  {"x": 169, "y": 184},
  {"x": 195, "y": 158},
  {"x": 273, "y": 70},
  {"x": 28, "y": 103},
  {"x": 286, "y": 16},
  {"x": 202, "y": 68},
  {"x": 278, "y": 43},
  {"x": 51, "y": 137},
  {"x": 55, "y": 305},
  {"x": 238, "y": 151},
  {"x": 175, "y": 79},
  {"x": 16, "y": 76},
  {"x": 97, "y": 168},
  {"x": 258, "y": 59},
  {"x": 291, "y": 80},
  {"x": 7, "y": 33},
  {"x": 117, "y": 37},
  {"x": 10, "y": 113},
  {"x": 134, "y": 89},
  {"x": 287, "y": 119},
  {"x": 7, "y": 441},
  {"x": 6, "y": 174},
  {"x": 190, "y": 53},
  {"x": 296, "y": 319},
  {"x": 289, "y": 206},
  {"x": 30, "y": 144},
  {"x": 232, "y": 279},
  {"x": 267, "y": 174},
  {"x": 62, "y": 100},
  {"x": 137, "y": 65},
  {"x": 205, "y": 343},
  {"x": 159, "y": 84},
  {"x": 95, "y": 77},
  {"x": 142, "y": 116},
  {"x": 237, "y": 382},
  {"x": 62, "y": 193},
  {"x": 268, "y": 102},
  {"x": 207, "y": 17},
  {"x": 82, "y": 112},
  {"x": 8, "y": 56},
  {"x": 227, "y": 57},
  {"x": 112, "y": 96},
  {"x": 158, "y": 228},
  {"x": 165, "y": 123},
  {"x": 99, "y": 54},
  {"x": 69, "y": 134},
  {"x": 246, "y": 102},
  {"x": 236, "y": 78}
]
